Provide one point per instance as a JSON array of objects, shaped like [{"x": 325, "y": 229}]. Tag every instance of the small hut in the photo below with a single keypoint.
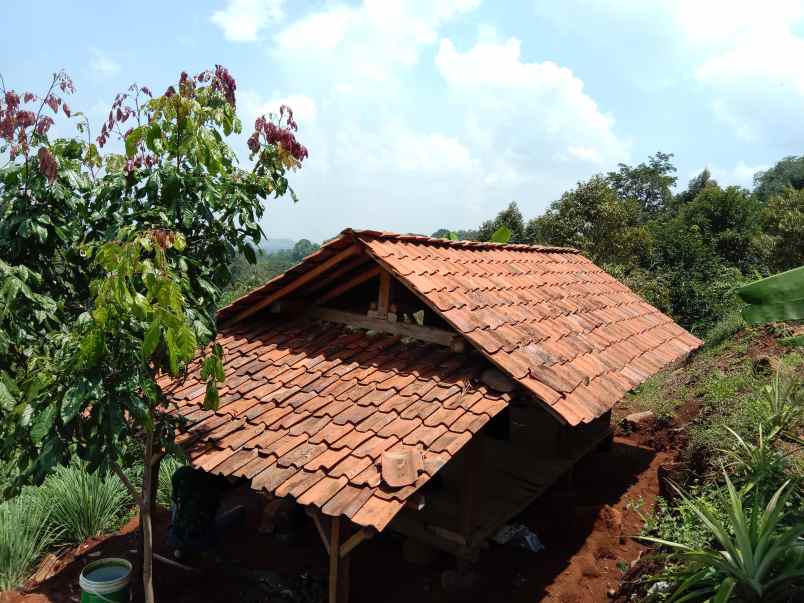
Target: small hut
[{"x": 432, "y": 387}]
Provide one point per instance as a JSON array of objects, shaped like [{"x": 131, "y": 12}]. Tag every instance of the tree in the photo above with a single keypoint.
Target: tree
[
  {"x": 303, "y": 248},
  {"x": 650, "y": 184},
  {"x": 787, "y": 173},
  {"x": 511, "y": 218},
  {"x": 783, "y": 223},
  {"x": 111, "y": 267},
  {"x": 595, "y": 220},
  {"x": 695, "y": 187},
  {"x": 729, "y": 220}
]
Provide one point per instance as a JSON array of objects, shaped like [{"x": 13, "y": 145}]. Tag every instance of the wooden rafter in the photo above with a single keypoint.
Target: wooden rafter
[
  {"x": 339, "y": 273},
  {"x": 353, "y": 282},
  {"x": 296, "y": 283}
]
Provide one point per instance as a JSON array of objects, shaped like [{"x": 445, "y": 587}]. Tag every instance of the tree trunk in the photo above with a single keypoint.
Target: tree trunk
[{"x": 145, "y": 522}]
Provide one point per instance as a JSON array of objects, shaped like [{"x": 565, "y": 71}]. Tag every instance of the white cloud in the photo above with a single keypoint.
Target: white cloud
[
  {"x": 741, "y": 174},
  {"x": 749, "y": 57},
  {"x": 361, "y": 46},
  {"x": 243, "y": 20},
  {"x": 101, "y": 64},
  {"x": 532, "y": 110}
]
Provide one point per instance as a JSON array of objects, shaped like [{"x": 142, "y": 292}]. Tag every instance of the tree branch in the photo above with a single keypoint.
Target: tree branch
[{"x": 129, "y": 486}]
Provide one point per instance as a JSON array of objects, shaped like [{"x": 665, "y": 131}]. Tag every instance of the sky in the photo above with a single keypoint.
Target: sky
[{"x": 427, "y": 114}]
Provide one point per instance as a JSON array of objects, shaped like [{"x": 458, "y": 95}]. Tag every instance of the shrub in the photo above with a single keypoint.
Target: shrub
[
  {"x": 725, "y": 328},
  {"x": 83, "y": 504},
  {"x": 756, "y": 558},
  {"x": 25, "y": 534}
]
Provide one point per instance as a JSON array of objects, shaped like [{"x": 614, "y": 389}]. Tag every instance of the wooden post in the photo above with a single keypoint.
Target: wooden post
[
  {"x": 334, "y": 558},
  {"x": 472, "y": 467},
  {"x": 384, "y": 295}
]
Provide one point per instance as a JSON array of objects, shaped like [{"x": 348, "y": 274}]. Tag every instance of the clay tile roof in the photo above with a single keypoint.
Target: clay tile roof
[
  {"x": 567, "y": 331},
  {"x": 546, "y": 316},
  {"x": 321, "y": 451},
  {"x": 311, "y": 409}
]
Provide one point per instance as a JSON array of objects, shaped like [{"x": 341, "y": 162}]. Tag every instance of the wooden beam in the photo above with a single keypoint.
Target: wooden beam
[
  {"x": 360, "y": 536},
  {"x": 338, "y": 273},
  {"x": 404, "y": 329},
  {"x": 334, "y": 558},
  {"x": 384, "y": 294},
  {"x": 356, "y": 280},
  {"x": 321, "y": 532},
  {"x": 296, "y": 283}
]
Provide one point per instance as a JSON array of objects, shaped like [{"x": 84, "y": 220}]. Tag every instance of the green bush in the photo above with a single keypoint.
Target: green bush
[
  {"x": 25, "y": 534},
  {"x": 725, "y": 328},
  {"x": 84, "y": 505},
  {"x": 755, "y": 558}
]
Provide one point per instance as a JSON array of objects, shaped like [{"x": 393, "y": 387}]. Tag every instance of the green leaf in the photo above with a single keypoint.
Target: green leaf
[
  {"x": 71, "y": 404},
  {"x": 453, "y": 236},
  {"x": 151, "y": 339},
  {"x": 248, "y": 251},
  {"x": 7, "y": 401},
  {"x": 501, "y": 235},
  {"x": 211, "y": 398},
  {"x": 133, "y": 139},
  {"x": 43, "y": 423},
  {"x": 783, "y": 287}
]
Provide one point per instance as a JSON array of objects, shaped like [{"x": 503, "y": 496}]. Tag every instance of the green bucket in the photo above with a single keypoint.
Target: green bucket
[{"x": 105, "y": 581}]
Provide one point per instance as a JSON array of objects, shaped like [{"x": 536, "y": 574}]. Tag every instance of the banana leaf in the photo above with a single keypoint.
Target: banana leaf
[{"x": 777, "y": 298}]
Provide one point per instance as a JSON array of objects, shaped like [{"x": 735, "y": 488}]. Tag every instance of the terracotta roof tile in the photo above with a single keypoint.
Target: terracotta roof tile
[{"x": 308, "y": 408}]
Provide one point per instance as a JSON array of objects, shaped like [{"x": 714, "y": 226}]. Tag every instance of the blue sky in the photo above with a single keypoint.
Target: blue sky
[{"x": 427, "y": 114}]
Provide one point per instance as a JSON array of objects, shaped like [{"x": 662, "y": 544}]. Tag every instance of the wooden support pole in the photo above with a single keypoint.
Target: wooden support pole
[
  {"x": 334, "y": 558},
  {"x": 472, "y": 468},
  {"x": 384, "y": 294}
]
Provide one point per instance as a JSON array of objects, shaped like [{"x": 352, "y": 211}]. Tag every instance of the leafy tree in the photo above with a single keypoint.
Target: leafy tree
[
  {"x": 511, "y": 218},
  {"x": 303, "y": 248},
  {"x": 650, "y": 184},
  {"x": 111, "y": 267},
  {"x": 787, "y": 173},
  {"x": 592, "y": 218},
  {"x": 728, "y": 219},
  {"x": 783, "y": 222},
  {"x": 695, "y": 187}
]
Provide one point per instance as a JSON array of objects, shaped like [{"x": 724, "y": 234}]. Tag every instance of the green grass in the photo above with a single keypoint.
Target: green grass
[
  {"x": 166, "y": 470},
  {"x": 82, "y": 504},
  {"x": 26, "y": 533}
]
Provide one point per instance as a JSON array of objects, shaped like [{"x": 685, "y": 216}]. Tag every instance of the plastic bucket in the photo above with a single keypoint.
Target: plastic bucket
[{"x": 105, "y": 581}]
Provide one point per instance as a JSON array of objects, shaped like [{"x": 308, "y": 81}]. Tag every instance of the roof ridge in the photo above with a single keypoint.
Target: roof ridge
[{"x": 425, "y": 240}]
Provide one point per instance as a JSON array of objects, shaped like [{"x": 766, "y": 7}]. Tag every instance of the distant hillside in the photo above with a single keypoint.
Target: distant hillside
[{"x": 271, "y": 245}]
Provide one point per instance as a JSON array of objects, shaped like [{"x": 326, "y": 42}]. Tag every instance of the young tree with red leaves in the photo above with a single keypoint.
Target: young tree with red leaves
[{"x": 111, "y": 265}]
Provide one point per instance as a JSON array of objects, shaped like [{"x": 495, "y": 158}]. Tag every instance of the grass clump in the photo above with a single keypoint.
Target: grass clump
[
  {"x": 26, "y": 532},
  {"x": 165, "y": 490},
  {"x": 83, "y": 504}
]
